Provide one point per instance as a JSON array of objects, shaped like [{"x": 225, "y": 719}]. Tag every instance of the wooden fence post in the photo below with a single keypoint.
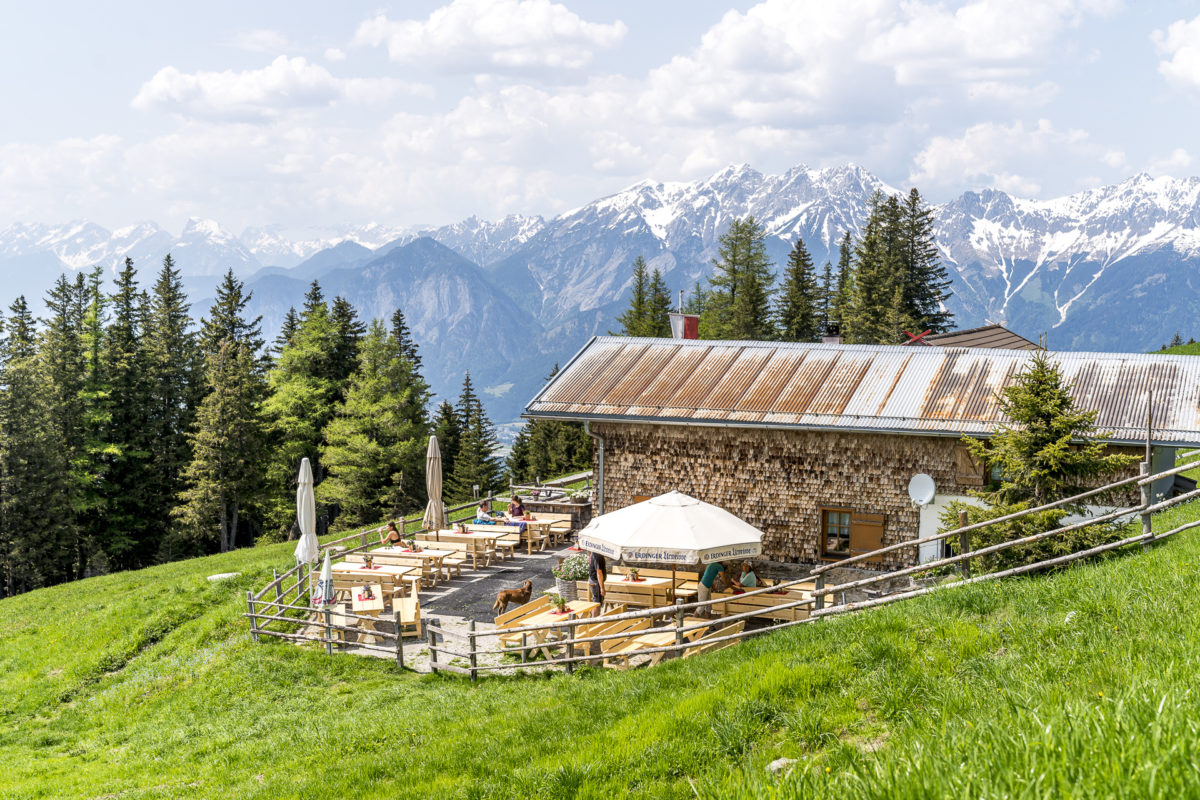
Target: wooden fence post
[
  {"x": 570, "y": 644},
  {"x": 253, "y": 619},
  {"x": 1147, "y": 521},
  {"x": 278, "y": 590},
  {"x": 328, "y": 633},
  {"x": 399, "y": 642},
  {"x": 471, "y": 648},
  {"x": 364, "y": 537},
  {"x": 679, "y": 632},
  {"x": 432, "y": 644},
  {"x": 964, "y": 546},
  {"x": 524, "y": 643},
  {"x": 818, "y": 592}
]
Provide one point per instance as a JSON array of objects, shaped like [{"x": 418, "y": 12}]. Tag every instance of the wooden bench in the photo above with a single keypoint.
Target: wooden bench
[
  {"x": 473, "y": 547},
  {"x": 595, "y": 629},
  {"x": 740, "y": 604},
  {"x": 687, "y": 581},
  {"x": 561, "y": 527},
  {"x": 389, "y": 583},
  {"x": 637, "y": 595},
  {"x": 728, "y": 630},
  {"x": 512, "y": 619},
  {"x": 410, "y": 615},
  {"x": 530, "y": 537},
  {"x": 610, "y": 648},
  {"x": 414, "y": 579}
]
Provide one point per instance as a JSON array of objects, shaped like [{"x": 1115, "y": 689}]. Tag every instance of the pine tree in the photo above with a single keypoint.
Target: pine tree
[
  {"x": 927, "y": 285},
  {"x": 36, "y": 515},
  {"x": 225, "y": 475},
  {"x": 633, "y": 319},
  {"x": 129, "y": 538},
  {"x": 403, "y": 336},
  {"x": 826, "y": 294},
  {"x": 799, "y": 301},
  {"x": 476, "y": 463},
  {"x": 738, "y": 305},
  {"x": 174, "y": 370},
  {"x": 877, "y": 270},
  {"x": 377, "y": 439},
  {"x": 227, "y": 320}
]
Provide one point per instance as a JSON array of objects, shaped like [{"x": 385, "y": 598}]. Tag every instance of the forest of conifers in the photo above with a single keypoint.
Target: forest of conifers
[{"x": 131, "y": 434}]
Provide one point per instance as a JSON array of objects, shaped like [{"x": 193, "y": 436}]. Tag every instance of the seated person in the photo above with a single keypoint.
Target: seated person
[
  {"x": 390, "y": 536},
  {"x": 483, "y": 514},
  {"x": 747, "y": 579},
  {"x": 516, "y": 509}
]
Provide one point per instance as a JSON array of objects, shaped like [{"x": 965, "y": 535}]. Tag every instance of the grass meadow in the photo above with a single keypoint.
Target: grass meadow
[{"x": 1076, "y": 684}]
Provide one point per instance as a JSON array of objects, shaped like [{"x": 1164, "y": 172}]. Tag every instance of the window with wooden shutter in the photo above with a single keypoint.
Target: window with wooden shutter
[
  {"x": 835, "y": 532},
  {"x": 866, "y": 533},
  {"x": 967, "y": 471}
]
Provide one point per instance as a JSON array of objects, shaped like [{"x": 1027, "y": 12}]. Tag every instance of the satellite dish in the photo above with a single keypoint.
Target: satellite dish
[{"x": 921, "y": 489}]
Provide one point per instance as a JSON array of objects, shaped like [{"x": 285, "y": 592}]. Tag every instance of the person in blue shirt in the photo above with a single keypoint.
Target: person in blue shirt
[{"x": 704, "y": 592}]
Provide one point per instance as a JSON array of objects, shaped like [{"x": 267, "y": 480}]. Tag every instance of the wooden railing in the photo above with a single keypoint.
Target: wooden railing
[{"x": 539, "y": 637}]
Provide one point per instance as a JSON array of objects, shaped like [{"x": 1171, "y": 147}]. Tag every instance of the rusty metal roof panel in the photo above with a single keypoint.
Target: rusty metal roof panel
[{"x": 939, "y": 390}]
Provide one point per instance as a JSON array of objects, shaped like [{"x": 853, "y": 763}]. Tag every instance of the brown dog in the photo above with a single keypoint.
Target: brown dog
[{"x": 517, "y": 596}]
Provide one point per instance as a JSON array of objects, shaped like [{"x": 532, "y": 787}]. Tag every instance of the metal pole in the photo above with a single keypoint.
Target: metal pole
[
  {"x": 328, "y": 633},
  {"x": 964, "y": 545}
]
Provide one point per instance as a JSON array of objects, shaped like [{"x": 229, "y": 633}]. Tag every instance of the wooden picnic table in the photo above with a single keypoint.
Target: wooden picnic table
[
  {"x": 650, "y": 591},
  {"x": 580, "y": 608},
  {"x": 361, "y": 570},
  {"x": 534, "y": 528},
  {"x": 367, "y": 606}
]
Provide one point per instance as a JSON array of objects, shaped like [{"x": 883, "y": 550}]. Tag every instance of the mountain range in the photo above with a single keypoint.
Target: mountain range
[{"x": 1111, "y": 269}]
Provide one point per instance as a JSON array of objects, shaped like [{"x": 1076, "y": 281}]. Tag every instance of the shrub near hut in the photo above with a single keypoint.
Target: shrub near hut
[{"x": 1051, "y": 450}]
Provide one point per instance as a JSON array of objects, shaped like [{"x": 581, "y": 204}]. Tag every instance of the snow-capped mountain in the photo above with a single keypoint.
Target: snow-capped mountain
[{"x": 1113, "y": 268}]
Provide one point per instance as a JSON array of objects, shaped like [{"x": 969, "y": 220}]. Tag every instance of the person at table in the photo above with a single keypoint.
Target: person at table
[
  {"x": 597, "y": 569},
  {"x": 704, "y": 590},
  {"x": 746, "y": 580},
  {"x": 483, "y": 514},
  {"x": 390, "y": 536},
  {"x": 516, "y": 509}
]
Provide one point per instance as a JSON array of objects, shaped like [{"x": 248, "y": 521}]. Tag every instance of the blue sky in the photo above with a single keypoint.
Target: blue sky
[{"x": 306, "y": 114}]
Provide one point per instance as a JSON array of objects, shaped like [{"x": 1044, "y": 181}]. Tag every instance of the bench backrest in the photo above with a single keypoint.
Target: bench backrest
[
  {"x": 629, "y": 626},
  {"x": 499, "y": 530},
  {"x": 386, "y": 581},
  {"x": 704, "y": 645},
  {"x": 681, "y": 574},
  {"x": 510, "y": 619}
]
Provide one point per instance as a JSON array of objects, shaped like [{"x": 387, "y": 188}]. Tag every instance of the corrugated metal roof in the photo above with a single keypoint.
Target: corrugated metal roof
[
  {"x": 936, "y": 390},
  {"x": 992, "y": 336}
]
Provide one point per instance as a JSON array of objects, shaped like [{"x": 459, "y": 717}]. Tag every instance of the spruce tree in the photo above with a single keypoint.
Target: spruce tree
[
  {"x": 36, "y": 514},
  {"x": 799, "y": 300},
  {"x": 843, "y": 295},
  {"x": 174, "y": 370},
  {"x": 227, "y": 320},
  {"x": 634, "y": 319},
  {"x": 826, "y": 294},
  {"x": 225, "y": 475},
  {"x": 476, "y": 463},
  {"x": 377, "y": 438},
  {"x": 927, "y": 284},
  {"x": 129, "y": 538},
  {"x": 447, "y": 427},
  {"x": 658, "y": 306},
  {"x": 287, "y": 331},
  {"x": 738, "y": 305},
  {"x": 349, "y": 330},
  {"x": 403, "y": 336}
]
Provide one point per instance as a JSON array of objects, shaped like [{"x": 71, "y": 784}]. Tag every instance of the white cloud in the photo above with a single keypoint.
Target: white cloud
[
  {"x": 262, "y": 41},
  {"x": 1008, "y": 157},
  {"x": 1175, "y": 164},
  {"x": 334, "y": 54},
  {"x": 1180, "y": 42},
  {"x": 286, "y": 83},
  {"x": 494, "y": 36}
]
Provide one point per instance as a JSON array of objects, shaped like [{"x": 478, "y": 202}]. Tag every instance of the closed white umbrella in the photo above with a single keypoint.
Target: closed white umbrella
[
  {"x": 306, "y": 515},
  {"x": 435, "y": 510},
  {"x": 672, "y": 528},
  {"x": 324, "y": 595}
]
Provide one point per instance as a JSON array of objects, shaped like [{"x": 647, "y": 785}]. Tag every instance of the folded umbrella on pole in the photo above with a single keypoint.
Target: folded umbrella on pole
[
  {"x": 435, "y": 510},
  {"x": 324, "y": 595},
  {"x": 306, "y": 516}
]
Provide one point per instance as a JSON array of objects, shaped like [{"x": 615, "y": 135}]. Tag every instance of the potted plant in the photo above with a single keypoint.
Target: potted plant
[
  {"x": 558, "y": 601},
  {"x": 633, "y": 574},
  {"x": 368, "y": 560},
  {"x": 411, "y": 541},
  {"x": 571, "y": 569}
]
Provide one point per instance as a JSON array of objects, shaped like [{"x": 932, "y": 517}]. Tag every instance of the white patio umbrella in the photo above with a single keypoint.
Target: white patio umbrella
[
  {"x": 324, "y": 595},
  {"x": 306, "y": 515},
  {"x": 674, "y": 529},
  {"x": 435, "y": 511}
]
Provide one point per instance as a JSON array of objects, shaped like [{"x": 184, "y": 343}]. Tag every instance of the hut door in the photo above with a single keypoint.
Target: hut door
[{"x": 866, "y": 533}]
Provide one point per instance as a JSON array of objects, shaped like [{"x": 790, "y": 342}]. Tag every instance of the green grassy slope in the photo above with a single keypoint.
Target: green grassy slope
[
  {"x": 1080, "y": 684},
  {"x": 1181, "y": 350}
]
